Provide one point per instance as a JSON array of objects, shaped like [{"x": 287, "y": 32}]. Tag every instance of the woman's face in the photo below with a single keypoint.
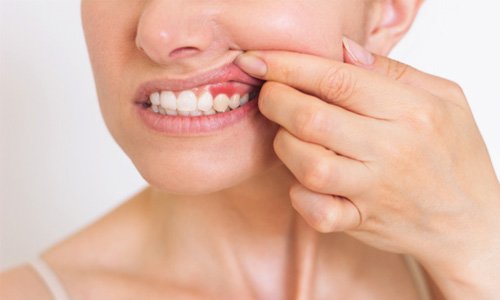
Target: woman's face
[{"x": 135, "y": 42}]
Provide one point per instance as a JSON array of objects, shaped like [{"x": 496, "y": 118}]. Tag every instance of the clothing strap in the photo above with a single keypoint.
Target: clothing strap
[
  {"x": 50, "y": 279},
  {"x": 418, "y": 278},
  {"x": 58, "y": 292}
]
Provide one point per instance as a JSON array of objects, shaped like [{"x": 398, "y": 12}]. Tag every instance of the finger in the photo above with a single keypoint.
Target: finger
[
  {"x": 325, "y": 213},
  {"x": 353, "y": 88},
  {"x": 315, "y": 121},
  {"x": 357, "y": 55},
  {"x": 320, "y": 169}
]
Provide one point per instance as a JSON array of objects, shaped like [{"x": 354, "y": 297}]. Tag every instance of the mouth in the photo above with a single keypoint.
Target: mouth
[
  {"x": 197, "y": 105},
  {"x": 218, "y": 91},
  {"x": 205, "y": 100}
]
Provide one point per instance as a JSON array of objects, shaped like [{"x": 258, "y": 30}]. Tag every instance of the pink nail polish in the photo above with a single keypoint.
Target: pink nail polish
[{"x": 357, "y": 52}]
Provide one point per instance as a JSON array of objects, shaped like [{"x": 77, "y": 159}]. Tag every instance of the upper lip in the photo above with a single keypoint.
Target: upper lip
[{"x": 225, "y": 73}]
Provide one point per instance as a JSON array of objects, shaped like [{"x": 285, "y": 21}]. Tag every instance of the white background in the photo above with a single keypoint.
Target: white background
[{"x": 61, "y": 170}]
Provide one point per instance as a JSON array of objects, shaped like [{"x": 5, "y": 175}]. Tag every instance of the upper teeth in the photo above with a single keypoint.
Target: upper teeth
[{"x": 187, "y": 103}]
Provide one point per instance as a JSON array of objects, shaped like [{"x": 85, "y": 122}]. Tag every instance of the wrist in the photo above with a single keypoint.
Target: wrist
[
  {"x": 468, "y": 279},
  {"x": 470, "y": 269}
]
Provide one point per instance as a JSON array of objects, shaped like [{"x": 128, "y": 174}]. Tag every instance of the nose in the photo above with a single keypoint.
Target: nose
[{"x": 173, "y": 30}]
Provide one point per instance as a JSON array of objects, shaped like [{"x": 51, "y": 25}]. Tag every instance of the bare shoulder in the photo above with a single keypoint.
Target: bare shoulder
[
  {"x": 87, "y": 249},
  {"x": 22, "y": 283}
]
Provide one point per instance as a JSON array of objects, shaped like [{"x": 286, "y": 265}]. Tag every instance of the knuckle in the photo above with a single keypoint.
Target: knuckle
[
  {"x": 317, "y": 175},
  {"x": 426, "y": 117},
  {"x": 396, "y": 70},
  {"x": 326, "y": 220},
  {"x": 338, "y": 84},
  {"x": 307, "y": 121},
  {"x": 289, "y": 72}
]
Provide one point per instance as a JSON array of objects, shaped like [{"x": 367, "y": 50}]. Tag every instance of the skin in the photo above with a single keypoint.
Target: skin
[
  {"x": 365, "y": 187},
  {"x": 266, "y": 225}
]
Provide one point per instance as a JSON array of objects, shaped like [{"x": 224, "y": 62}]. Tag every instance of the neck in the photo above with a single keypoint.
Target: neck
[
  {"x": 258, "y": 208},
  {"x": 247, "y": 231}
]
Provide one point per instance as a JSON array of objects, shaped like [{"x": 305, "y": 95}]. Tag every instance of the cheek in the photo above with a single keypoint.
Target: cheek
[
  {"x": 288, "y": 26},
  {"x": 111, "y": 50}
]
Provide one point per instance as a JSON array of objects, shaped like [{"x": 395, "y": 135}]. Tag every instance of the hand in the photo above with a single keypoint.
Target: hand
[{"x": 385, "y": 153}]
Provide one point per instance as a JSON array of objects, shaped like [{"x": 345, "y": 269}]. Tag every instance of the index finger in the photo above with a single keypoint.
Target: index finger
[{"x": 353, "y": 88}]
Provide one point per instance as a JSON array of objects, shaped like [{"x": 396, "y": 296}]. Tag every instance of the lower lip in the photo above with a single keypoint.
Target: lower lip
[{"x": 196, "y": 126}]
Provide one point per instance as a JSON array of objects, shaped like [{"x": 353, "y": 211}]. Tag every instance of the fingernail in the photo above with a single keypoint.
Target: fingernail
[
  {"x": 251, "y": 64},
  {"x": 357, "y": 52}
]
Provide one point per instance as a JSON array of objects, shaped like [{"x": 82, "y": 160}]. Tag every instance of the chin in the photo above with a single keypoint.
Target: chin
[
  {"x": 192, "y": 175},
  {"x": 200, "y": 165}
]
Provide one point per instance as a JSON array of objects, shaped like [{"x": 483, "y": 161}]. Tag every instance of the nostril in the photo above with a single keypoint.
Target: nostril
[{"x": 184, "y": 52}]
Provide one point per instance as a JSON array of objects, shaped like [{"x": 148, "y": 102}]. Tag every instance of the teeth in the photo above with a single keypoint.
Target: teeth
[
  {"x": 155, "y": 99},
  {"x": 168, "y": 100},
  {"x": 187, "y": 102},
  {"x": 234, "y": 101},
  {"x": 221, "y": 103},
  {"x": 205, "y": 103},
  {"x": 209, "y": 112},
  {"x": 171, "y": 112},
  {"x": 244, "y": 99}
]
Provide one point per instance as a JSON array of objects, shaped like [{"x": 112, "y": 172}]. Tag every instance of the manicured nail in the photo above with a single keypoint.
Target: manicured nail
[
  {"x": 251, "y": 64},
  {"x": 357, "y": 52}
]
